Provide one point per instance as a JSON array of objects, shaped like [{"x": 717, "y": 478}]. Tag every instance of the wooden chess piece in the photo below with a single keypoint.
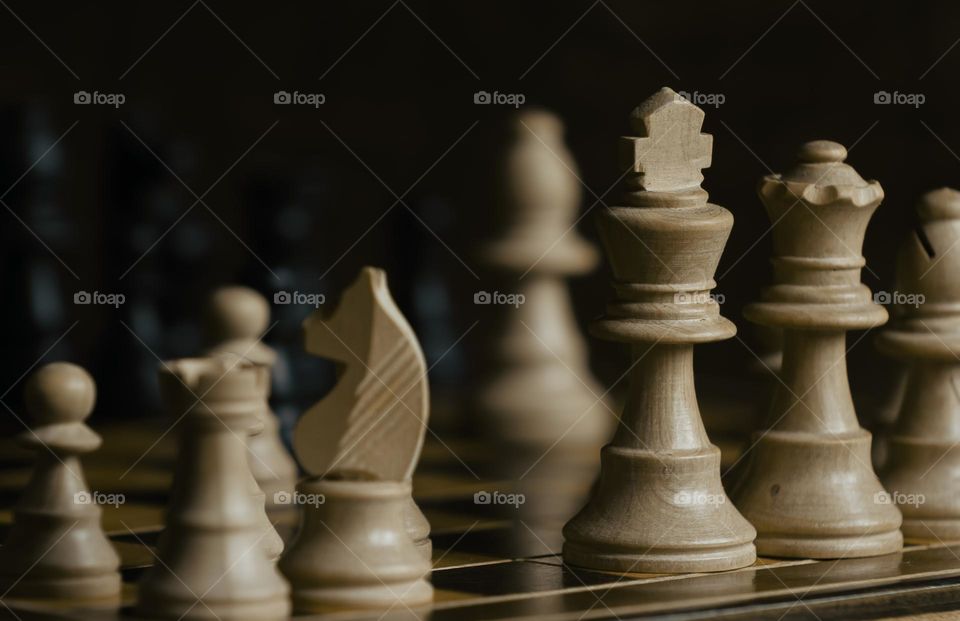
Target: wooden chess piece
[
  {"x": 532, "y": 387},
  {"x": 236, "y": 319},
  {"x": 361, "y": 443},
  {"x": 211, "y": 559},
  {"x": 922, "y": 470},
  {"x": 659, "y": 505},
  {"x": 56, "y": 548},
  {"x": 809, "y": 487},
  {"x": 272, "y": 542}
]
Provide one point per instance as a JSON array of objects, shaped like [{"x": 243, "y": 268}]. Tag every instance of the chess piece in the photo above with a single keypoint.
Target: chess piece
[
  {"x": 236, "y": 320},
  {"x": 211, "y": 562},
  {"x": 361, "y": 443},
  {"x": 922, "y": 470},
  {"x": 532, "y": 386},
  {"x": 272, "y": 542},
  {"x": 56, "y": 548},
  {"x": 353, "y": 549},
  {"x": 809, "y": 487},
  {"x": 659, "y": 506}
]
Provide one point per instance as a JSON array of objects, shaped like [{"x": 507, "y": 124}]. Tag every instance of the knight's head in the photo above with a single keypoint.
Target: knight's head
[{"x": 349, "y": 331}]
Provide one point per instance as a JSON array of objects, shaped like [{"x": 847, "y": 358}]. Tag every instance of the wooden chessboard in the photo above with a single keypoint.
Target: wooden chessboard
[{"x": 502, "y": 561}]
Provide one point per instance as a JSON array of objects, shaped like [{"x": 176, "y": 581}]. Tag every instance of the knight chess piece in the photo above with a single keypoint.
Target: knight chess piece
[
  {"x": 922, "y": 469},
  {"x": 367, "y": 545},
  {"x": 659, "y": 505},
  {"x": 533, "y": 387},
  {"x": 56, "y": 548},
  {"x": 236, "y": 320},
  {"x": 808, "y": 485},
  {"x": 211, "y": 558}
]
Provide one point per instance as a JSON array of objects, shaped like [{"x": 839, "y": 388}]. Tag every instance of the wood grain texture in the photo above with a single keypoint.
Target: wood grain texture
[
  {"x": 659, "y": 505},
  {"x": 808, "y": 485}
]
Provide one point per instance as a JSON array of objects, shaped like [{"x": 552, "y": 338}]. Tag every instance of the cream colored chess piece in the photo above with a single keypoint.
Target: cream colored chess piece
[
  {"x": 922, "y": 470},
  {"x": 56, "y": 549},
  {"x": 809, "y": 487},
  {"x": 533, "y": 387},
  {"x": 659, "y": 506},
  {"x": 211, "y": 558},
  {"x": 367, "y": 544},
  {"x": 236, "y": 319}
]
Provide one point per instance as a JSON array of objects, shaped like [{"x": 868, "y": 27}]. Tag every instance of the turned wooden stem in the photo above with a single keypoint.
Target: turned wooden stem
[
  {"x": 661, "y": 412},
  {"x": 815, "y": 394}
]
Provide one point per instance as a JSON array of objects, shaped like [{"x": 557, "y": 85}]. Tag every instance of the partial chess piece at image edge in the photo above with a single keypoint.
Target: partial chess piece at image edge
[
  {"x": 922, "y": 469},
  {"x": 56, "y": 548},
  {"x": 659, "y": 506},
  {"x": 808, "y": 485},
  {"x": 212, "y": 546},
  {"x": 532, "y": 386},
  {"x": 366, "y": 543},
  {"x": 235, "y": 319}
]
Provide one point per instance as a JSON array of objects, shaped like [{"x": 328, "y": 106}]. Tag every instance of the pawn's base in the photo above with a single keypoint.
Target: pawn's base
[
  {"x": 922, "y": 476},
  {"x": 854, "y": 546},
  {"x": 659, "y": 513}
]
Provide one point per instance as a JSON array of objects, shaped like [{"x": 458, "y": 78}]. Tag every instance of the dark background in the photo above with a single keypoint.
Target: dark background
[{"x": 302, "y": 197}]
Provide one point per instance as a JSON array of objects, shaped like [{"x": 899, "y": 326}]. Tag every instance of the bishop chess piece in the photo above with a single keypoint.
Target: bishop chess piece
[
  {"x": 366, "y": 544},
  {"x": 922, "y": 470},
  {"x": 56, "y": 548},
  {"x": 659, "y": 505},
  {"x": 236, "y": 319},
  {"x": 533, "y": 387},
  {"x": 809, "y": 487},
  {"x": 212, "y": 562}
]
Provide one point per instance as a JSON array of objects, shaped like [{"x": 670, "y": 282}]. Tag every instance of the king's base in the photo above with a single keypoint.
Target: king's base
[
  {"x": 671, "y": 516},
  {"x": 816, "y": 496}
]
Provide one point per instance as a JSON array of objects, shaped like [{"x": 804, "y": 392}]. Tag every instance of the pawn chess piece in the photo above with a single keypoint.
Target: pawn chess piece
[
  {"x": 236, "y": 319},
  {"x": 367, "y": 544},
  {"x": 56, "y": 548},
  {"x": 922, "y": 470},
  {"x": 659, "y": 505},
  {"x": 211, "y": 558},
  {"x": 533, "y": 387},
  {"x": 808, "y": 486}
]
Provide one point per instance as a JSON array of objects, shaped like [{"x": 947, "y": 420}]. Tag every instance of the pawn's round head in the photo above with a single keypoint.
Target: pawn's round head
[
  {"x": 60, "y": 393},
  {"x": 236, "y": 313}
]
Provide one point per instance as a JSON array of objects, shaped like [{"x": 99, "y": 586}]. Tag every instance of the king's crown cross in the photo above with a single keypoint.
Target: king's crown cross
[{"x": 668, "y": 151}]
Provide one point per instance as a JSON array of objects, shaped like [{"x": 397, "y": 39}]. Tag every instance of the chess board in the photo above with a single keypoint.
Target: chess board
[{"x": 501, "y": 561}]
